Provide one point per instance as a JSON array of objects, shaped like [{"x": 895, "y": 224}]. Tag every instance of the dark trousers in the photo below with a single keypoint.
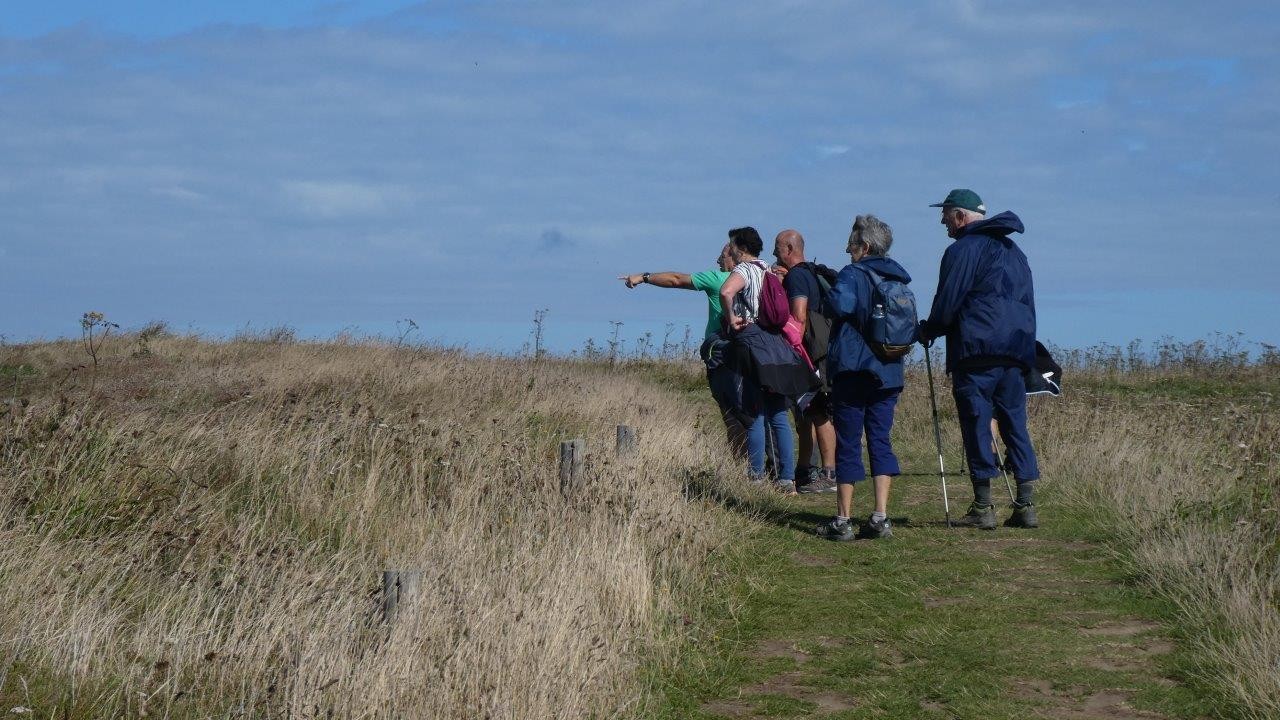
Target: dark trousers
[
  {"x": 858, "y": 407},
  {"x": 726, "y": 388},
  {"x": 998, "y": 392}
]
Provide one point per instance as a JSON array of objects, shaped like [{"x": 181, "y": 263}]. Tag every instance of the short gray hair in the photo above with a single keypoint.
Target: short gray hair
[
  {"x": 871, "y": 231},
  {"x": 969, "y": 216}
]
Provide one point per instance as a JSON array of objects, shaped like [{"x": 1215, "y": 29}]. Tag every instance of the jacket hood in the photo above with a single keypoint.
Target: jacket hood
[
  {"x": 996, "y": 226},
  {"x": 887, "y": 268}
]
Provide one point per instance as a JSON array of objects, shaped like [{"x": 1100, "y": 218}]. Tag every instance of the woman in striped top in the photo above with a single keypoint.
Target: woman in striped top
[{"x": 770, "y": 370}]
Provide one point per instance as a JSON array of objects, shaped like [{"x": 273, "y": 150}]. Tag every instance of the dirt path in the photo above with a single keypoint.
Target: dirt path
[{"x": 935, "y": 623}]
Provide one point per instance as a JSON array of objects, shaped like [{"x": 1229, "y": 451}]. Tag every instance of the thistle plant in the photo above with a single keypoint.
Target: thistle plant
[{"x": 94, "y": 328}]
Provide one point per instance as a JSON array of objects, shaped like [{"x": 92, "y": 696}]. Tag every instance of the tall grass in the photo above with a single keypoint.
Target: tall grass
[
  {"x": 1174, "y": 450},
  {"x": 202, "y": 534},
  {"x": 1180, "y": 462}
]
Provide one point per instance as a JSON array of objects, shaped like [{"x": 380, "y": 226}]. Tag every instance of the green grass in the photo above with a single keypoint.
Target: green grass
[{"x": 936, "y": 622}]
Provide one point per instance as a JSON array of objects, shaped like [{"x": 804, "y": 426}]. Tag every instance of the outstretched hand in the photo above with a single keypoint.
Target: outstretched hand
[{"x": 632, "y": 280}]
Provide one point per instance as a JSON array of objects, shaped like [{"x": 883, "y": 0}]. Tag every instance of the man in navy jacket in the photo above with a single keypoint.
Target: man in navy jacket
[{"x": 985, "y": 306}]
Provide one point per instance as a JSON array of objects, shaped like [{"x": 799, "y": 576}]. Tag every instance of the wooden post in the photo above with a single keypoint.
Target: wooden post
[
  {"x": 626, "y": 440},
  {"x": 572, "y": 455},
  {"x": 400, "y": 589},
  {"x": 14, "y": 409}
]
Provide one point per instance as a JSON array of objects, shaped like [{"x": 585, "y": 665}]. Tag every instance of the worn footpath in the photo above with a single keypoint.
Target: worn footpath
[{"x": 933, "y": 623}]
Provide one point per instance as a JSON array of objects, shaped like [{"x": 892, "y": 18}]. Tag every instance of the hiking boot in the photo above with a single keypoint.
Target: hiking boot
[
  {"x": 837, "y": 530},
  {"x": 786, "y": 487},
  {"x": 823, "y": 484},
  {"x": 1024, "y": 516},
  {"x": 805, "y": 475},
  {"x": 876, "y": 530},
  {"x": 982, "y": 517}
]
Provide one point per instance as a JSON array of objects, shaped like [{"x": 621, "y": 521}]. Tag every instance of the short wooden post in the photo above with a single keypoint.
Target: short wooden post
[
  {"x": 572, "y": 455},
  {"x": 400, "y": 588},
  {"x": 626, "y": 440},
  {"x": 14, "y": 409}
]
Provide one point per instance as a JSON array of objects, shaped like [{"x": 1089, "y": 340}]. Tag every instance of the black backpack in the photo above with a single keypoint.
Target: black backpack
[{"x": 817, "y": 328}]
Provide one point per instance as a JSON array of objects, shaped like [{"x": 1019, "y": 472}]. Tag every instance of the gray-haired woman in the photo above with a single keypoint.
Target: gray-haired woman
[{"x": 864, "y": 387}]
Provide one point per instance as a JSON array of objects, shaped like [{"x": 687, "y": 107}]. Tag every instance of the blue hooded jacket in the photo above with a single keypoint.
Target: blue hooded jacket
[
  {"x": 985, "y": 304},
  {"x": 850, "y": 303}
]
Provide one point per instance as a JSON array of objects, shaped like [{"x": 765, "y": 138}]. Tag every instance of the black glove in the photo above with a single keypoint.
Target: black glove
[{"x": 922, "y": 332}]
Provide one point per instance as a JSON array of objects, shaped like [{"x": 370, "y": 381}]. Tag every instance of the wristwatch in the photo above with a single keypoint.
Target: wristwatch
[{"x": 644, "y": 278}]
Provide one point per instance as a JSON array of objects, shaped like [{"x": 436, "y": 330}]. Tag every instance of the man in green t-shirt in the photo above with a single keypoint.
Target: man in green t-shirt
[
  {"x": 707, "y": 281},
  {"x": 719, "y": 376}
]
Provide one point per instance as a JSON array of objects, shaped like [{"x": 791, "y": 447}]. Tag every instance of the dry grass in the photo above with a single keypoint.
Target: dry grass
[
  {"x": 1178, "y": 461},
  {"x": 203, "y": 535},
  {"x": 1183, "y": 467}
]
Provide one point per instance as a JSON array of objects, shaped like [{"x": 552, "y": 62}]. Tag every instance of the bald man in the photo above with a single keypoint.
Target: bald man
[{"x": 809, "y": 308}]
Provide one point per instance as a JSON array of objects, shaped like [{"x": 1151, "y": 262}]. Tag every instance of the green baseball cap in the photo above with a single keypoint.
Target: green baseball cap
[{"x": 963, "y": 198}]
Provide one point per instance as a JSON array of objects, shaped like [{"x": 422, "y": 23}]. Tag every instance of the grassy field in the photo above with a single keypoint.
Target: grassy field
[
  {"x": 1149, "y": 592},
  {"x": 196, "y": 529}
]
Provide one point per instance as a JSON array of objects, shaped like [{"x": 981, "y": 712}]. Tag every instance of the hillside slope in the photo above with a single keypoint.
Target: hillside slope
[{"x": 198, "y": 529}]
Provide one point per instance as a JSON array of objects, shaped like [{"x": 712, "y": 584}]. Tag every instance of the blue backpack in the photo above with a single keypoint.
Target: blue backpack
[{"x": 891, "y": 327}]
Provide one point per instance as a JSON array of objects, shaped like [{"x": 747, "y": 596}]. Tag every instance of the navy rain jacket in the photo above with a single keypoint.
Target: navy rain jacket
[
  {"x": 985, "y": 304},
  {"x": 850, "y": 304}
]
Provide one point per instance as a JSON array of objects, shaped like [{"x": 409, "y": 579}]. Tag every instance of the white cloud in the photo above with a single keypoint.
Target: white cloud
[
  {"x": 297, "y": 169},
  {"x": 337, "y": 199},
  {"x": 177, "y": 192}
]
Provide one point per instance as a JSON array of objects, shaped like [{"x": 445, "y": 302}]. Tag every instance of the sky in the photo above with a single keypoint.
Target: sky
[{"x": 340, "y": 167}]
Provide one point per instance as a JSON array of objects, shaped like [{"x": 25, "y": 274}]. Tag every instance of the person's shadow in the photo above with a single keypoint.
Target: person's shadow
[
  {"x": 801, "y": 520},
  {"x": 807, "y": 521}
]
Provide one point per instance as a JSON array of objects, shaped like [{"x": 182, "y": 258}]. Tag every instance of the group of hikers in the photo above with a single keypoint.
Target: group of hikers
[{"x": 801, "y": 338}]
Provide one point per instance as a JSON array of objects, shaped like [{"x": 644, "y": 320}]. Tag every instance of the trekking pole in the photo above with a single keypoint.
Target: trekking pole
[
  {"x": 995, "y": 448},
  {"x": 937, "y": 435}
]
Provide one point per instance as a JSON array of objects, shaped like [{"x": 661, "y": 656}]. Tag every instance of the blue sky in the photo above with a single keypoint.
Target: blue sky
[{"x": 340, "y": 166}]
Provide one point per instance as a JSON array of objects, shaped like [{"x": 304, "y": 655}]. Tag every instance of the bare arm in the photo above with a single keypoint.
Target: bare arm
[
  {"x": 661, "y": 279},
  {"x": 731, "y": 287},
  {"x": 800, "y": 311}
]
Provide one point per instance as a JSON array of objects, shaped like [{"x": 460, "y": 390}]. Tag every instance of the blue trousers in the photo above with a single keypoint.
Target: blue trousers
[
  {"x": 859, "y": 406},
  {"x": 997, "y": 392},
  {"x": 771, "y": 408}
]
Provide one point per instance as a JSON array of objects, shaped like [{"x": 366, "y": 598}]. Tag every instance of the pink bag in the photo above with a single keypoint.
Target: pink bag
[{"x": 795, "y": 338}]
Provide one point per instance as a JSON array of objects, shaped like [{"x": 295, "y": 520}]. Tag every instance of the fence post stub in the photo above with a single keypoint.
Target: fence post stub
[
  {"x": 399, "y": 590},
  {"x": 573, "y": 454},
  {"x": 626, "y": 440}
]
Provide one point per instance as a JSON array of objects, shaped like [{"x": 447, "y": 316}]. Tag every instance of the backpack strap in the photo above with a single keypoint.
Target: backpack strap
[
  {"x": 876, "y": 278},
  {"x": 820, "y": 273}
]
